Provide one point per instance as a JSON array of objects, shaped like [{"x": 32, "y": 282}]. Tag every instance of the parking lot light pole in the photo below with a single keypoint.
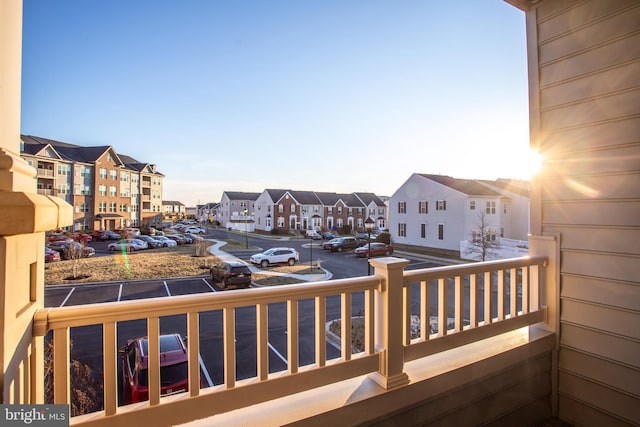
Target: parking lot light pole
[
  {"x": 246, "y": 230},
  {"x": 368, "y": 225}
]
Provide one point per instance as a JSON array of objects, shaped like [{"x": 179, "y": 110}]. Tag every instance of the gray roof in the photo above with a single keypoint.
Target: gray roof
[
  {"x": 469, "y": 187},
  {"x": 241, "y": 195}
]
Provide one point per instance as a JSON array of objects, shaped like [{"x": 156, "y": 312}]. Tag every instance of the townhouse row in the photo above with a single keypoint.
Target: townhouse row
[
  {"x": 107, "y": 190},
  {"x": 433, "y": 211},
  {"x": 283, "y": 211}
]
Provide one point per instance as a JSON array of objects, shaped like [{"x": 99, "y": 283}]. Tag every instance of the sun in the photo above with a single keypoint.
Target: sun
[{"x": 532, "y": 163}]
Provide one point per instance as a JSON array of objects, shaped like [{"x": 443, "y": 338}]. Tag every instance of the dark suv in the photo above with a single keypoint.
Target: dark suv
[
  {"x": 343, "y": 244},
  {"x": 231, "y": 274}
]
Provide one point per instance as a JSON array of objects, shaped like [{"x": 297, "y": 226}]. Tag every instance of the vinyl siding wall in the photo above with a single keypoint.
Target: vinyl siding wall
[{"x": 585, "y": 116}]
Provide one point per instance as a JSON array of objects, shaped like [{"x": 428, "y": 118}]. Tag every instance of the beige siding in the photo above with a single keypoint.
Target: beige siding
[{"x": 586, "y": 99}]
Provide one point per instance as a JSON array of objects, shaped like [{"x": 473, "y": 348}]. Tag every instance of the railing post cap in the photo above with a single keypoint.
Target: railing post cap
[{"x": 389, "y": 263}]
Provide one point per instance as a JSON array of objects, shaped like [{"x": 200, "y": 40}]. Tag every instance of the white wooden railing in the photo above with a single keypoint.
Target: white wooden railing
[{"x": 511, "y": 301}]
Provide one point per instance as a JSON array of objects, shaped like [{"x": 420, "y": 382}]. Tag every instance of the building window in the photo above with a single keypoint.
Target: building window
[
  {"x": 423, "y": 231},
  {"x": 423, "y": 207},
  {"x": 280, "y": 210},
  {"x": 102, "y": 190},
  {"x": 339, "y": 210},
  {"x": 472, "y": 205},
  {"x": 440, "y": 231},
  {"x": 123, "y": 208},
  {"x": 330, "y": 211},
  {"x": 293, "y": 208},
  {"x": 102, "y": 207},
  {"x": 280, "y": 221},
  {"x": 491, "y": 207},
  {"x": 402, "y": 207},
  {"x": 402, "y": 229},
  {"x": 113, "y": 175},
  {"x": 501, "y": 231},
  {"x": 504, "y": 208},
  {"x": 441, "y": 205},
  {"x": 113, "y": 191},
  {"x": 112, "y": 207},
  {"x": 103, "y": 173}
]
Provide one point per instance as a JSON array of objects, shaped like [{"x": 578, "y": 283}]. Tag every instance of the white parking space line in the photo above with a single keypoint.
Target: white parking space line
[
  {"x": 205, "y": 372},
  {"x": 284, "y": 359},
  {"x": 67, "y": 298},
  {"x": 166, "y": 287},
  {"x": 209, "y": 285},
  {"x": 120, "y": 293}
]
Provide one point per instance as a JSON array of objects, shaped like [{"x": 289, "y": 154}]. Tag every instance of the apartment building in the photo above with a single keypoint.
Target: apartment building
[{"x": 107, "y": 190}]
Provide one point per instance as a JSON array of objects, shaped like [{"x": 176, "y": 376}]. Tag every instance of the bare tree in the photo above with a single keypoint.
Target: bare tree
[
  {"x": 74, "y": 252},
  {"x": 483, "y": 239}
]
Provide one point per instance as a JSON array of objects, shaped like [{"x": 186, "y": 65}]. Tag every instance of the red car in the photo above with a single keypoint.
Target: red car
[
  {"x": 377, "y": 249},
  {"x": 50, "y": 255},
  {"x": 173, "y": 368},
  {"x": 82, "y": 237}
]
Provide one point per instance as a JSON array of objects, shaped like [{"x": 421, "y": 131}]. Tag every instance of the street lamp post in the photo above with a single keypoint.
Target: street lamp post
[
  {"x": 246, "y": 230},
  {"x": 368, "y": 225}
]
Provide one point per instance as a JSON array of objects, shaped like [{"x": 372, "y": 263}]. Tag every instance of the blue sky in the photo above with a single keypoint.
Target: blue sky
[{"x": 335, "y": 95}]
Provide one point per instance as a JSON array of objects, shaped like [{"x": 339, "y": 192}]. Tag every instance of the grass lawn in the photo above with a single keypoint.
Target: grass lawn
[{"x": 181, "y": 261}]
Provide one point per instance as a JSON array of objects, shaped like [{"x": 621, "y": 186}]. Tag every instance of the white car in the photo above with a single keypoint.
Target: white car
[
  {"x": 166, "y": 242},
  {"x": 275, "y": 256},
  {"x": 193, "y": 229},
  {"x": 128, "y": 245}
]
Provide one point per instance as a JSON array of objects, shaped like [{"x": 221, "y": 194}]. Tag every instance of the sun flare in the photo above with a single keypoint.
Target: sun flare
[{"x": 532, "y": 163}]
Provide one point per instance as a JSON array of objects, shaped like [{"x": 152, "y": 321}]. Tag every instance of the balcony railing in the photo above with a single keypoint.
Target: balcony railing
[{"x": 453, "y": 306}]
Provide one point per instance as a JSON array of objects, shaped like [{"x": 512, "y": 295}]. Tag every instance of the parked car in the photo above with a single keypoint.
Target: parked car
[
  {"x": 194, "y": 237},
  {"x": 187, "y": 239},
  {"x": 194, "y": 229},
  {"x": 50, "y": 255},
  {"x": 166, "y": 242},
  {"x": 231, "y": 274},
  {"x": 328, "y": 235},
  {"x": 69, "y": 249},
  {"x": 105, "y": 235},
  {"x": 275, "y": 256},
  {"x": 377, "y": 249},
  {"x": 128, "y": 245},
  {"x": 151, "y": 242},
  {"x": 363, "y": 238},
  {"x": 82, "y": 237},
  {"x": 341, "y": 244},
  {"x": 328, "y": 243},
  {"x": 174, "y": 368},
  {"x": 130, "y": 232},
  {"x": 177, "y": 238},
  {"x": 56, "y": 237},
  {"x": 313, "y": 234}
]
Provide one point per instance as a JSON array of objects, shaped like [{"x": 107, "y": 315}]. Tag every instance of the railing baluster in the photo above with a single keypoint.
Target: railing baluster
[
  {"x": 193, "y": 351},
  {"x": 61, "y": 385},
  {"x": 406, "y": 315},
  {"x": 526, "y": 289},
  {"x": 488, "y": 312},
  {"x": 110, "y": 351},
  {"x": 501, "y": 295},
  {"x": 262, "y": 337},
  {"x": 153, "y": 336},
  {"x": 513, "y": 293},
  {"x": 459, "y": 305},
  {"x": 442, "y": 307},
  {"x": 345, "y": 333},
  {"x": 292, "y": 335},
  {"x": 369, "y": 322},
  {"x": 425, "y": 321},
  {"x": 229, "y": 327},
  {"x": 321, "y": 332},
  {"x": 473, "y": 300}
]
